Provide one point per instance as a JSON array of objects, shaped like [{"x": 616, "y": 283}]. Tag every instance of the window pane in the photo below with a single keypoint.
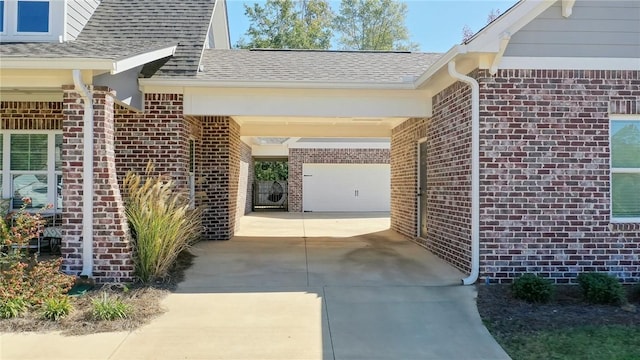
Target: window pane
[
  {"x": 625, "y": 144},
  {"x": 31, "y": 186},
  {"x": 33, "y": 16},
  {"x": 58, "y": 152},
  {"x": 1, "y": 15},
  {"x": 29, "y": 152},
  {"x": 626, "y": 195}
]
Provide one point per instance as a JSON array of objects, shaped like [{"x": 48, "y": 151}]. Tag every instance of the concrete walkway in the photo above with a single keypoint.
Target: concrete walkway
[{"x": 298, "y": 286}]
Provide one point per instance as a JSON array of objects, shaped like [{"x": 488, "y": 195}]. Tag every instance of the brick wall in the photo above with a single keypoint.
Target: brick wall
[
  {"x": 221, "y": 154},
  {"x": 404, "y": 175},
  {"x": 159, "y": 134},
  {"x": 112, "y": 251},
  {"x": 545, "y": 183},
  {"x": 297, "y": 157},
  {"x": 16, "y": 115},
  {"x": 448, "y": 170}
]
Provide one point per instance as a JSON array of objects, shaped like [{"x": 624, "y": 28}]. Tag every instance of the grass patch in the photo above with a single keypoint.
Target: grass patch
[{"x": 614, "y": 342}]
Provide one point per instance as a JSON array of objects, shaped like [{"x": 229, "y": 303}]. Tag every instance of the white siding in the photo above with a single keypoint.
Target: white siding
[
  {"x": 78, "y": 14},
  {"x": 595, "y": 29}
]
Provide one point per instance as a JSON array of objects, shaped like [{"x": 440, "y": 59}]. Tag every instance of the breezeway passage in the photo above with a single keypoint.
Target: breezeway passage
[{"x": 300, "y": 286}]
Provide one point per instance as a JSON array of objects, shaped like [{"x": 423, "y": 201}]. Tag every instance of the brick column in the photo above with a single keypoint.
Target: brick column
[
  {"x": 112, "y": 250},
  {"x": 221, "y": 157}
]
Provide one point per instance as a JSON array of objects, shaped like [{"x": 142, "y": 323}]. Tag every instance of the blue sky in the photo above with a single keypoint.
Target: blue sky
[{"x": 436, "y": 25}]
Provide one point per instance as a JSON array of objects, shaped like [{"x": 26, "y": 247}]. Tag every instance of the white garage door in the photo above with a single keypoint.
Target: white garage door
[{"x": 346, "y": 187}]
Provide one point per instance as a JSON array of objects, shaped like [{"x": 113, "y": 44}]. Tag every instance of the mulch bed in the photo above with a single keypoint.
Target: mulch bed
[
  {"x": 506, "y": 316},
  {"x": 144, "y": 299}
]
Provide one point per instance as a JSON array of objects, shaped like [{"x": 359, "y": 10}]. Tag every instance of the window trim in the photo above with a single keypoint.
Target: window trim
[
  {"x": 52, "y": 174},
  {"x": 3, "y": 23},
  {"x": 57, "y": 23},
  {"x": 612, "y": 170}
]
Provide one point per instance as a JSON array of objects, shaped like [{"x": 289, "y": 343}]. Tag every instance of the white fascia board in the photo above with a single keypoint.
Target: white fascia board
[
  {"x": 307, "y": 102},
  {"x": 57, "y": 63},
  {"x": 491, "y": 37},
  {"x": 276, "y": 84},
  {"x": 569, "y": 63},
  {"x": 269, "y": 151},
  {"x": 488, "y": 40},
  {"x": 341, "y": 145},
  {"x": 141, "y": 59},
  {"x": 64, "y": 63}
]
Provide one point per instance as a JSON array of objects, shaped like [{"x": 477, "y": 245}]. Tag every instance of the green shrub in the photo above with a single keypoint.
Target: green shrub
[
  {"x": 532, "y": 288},
  {"x": 161, "y": 222},
  {"x": 600, "y": 288},
  {"x": 11, "y": 308},
  {"x": 56, "y": 308},
  {"x": 109, "y": 308}
]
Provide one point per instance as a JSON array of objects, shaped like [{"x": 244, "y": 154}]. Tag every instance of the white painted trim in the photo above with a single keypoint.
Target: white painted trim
[
  {"x": 475, "y": 172},
  {"x": 567, "y": 7},
  {"x": 418, "y": 197},
  {"x": 569, "y": 63},
  {"x": 314, "y": 130},
  {"x": 337, "y": 145},
  {"x": 112, "y": 65},
  {"x": 141, "y": 59},
  {"x": 504, "y": 42},
  {"x": 612, "y": 170},
  {"x": 87, "y": 171},
  {"x": 57, "y": 10},
  {"x": 633, "y": 117},
  {"x": 155, "y": 82},
  {"x": 6, "y": 190},
  {"x": 633, "y": 220}
]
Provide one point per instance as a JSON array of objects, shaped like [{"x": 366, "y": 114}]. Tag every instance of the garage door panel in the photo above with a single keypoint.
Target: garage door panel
[{"x": 346, "y": 187}]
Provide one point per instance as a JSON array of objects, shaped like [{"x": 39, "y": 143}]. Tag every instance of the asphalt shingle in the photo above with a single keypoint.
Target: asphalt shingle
[
  {"x": 312, "y": 65},
  {"x": 113, "y": 50},
  {"x": 184, "y": 22}
]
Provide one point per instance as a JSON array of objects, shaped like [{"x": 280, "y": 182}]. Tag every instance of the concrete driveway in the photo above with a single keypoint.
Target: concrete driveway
[{"x": 301, "y": 286}]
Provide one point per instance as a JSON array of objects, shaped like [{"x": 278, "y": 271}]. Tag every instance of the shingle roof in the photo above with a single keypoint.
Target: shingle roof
[
  {"x": 113, "y": 50},
  {"x": 185, "y": 22},
  {"x": 312, "y": 65}
]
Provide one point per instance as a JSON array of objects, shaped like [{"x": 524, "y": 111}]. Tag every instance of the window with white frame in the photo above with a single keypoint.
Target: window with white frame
[
  {"x": 1, "y": 16},
  {"x": 625, "y": 169},
  {"x": 32, "y": 20},
  {"x": 32, "y": 167}
]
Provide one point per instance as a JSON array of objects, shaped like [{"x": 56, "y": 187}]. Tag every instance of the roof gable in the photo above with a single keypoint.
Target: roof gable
[{"x": 184, "y": 22}]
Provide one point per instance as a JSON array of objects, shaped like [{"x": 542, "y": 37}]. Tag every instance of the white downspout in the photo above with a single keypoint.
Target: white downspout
[
  {"x": 87, "y": 174},
  {"x": 475, "y": 172}
]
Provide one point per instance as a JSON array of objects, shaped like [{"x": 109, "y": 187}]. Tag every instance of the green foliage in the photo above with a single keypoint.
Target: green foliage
[
  {"x": 600, "y": 288},
  {"x": 271, "y": 170},
  {"x": 589, "y": 342},
  {"x": 34, "y": 282},
  {"x": 56, "y": 308},
  {"x": 13, "y": 307},
  {"x": 532, "y": 288},
  {"x": 373, "y": 25},
  {"x": 109, "y": 308},
  {"x": 289, "y": 24},
  {"x": 162, "y": 223}
]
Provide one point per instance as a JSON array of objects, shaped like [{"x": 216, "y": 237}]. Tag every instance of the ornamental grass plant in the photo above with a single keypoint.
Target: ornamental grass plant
[{"x": 161, "y": 221}]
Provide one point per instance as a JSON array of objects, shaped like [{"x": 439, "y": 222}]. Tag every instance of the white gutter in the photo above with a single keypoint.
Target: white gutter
[
  {"x": 475, "y": 171},
  {"x": 87, "y": 182},
  {"x": 400, "y": 85}
]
